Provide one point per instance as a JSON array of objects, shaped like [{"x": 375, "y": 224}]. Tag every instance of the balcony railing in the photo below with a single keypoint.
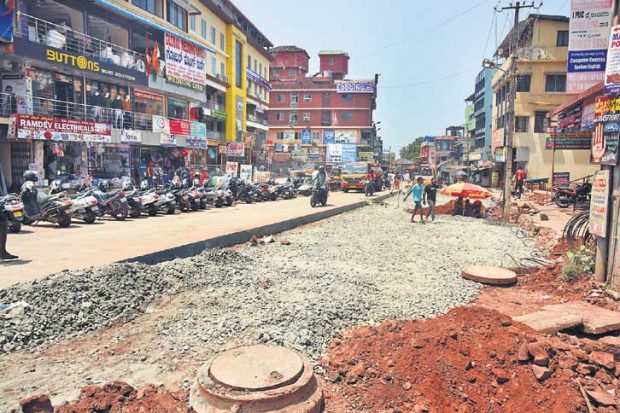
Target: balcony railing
[
  {"x": 66, "y": 39},
  {"x": 213, "y": 105}
]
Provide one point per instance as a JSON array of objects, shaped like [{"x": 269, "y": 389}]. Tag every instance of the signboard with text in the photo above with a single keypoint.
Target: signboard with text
[
  {"x": 590, "y": 22},
  {"x": 58, "y": 129},
  {"x": 355, "y": 86},
  {"x": 235, "y": 149},
  {"x": 185, "y": 63},
  {"x": 329, "y": 136},
  {"x": 570, "y": 141},
  {"x": 179, "y": 127},
  {"x": 161, "y": 124},
  {"x": 599, "y": 204},
  {"x": 306, "y": 137},
  {"x": 561, "y": 178},
  {"x": 131, "y": 136},
  {"x": 612, "y": 72}
]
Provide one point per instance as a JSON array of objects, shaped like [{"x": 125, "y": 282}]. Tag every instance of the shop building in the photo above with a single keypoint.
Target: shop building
[
  {"x": 321, "y": 118},
  {"x": 541, "y": 87},
  {"x": 123, "y": 88}
]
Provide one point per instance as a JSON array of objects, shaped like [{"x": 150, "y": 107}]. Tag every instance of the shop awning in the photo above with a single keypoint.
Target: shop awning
[{"x": 131, "y": 15}]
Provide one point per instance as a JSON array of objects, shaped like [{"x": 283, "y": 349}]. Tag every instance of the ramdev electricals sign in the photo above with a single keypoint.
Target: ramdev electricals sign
[
  {"x": 185, "y": 63},
  {"x": 49, "y": 128}
]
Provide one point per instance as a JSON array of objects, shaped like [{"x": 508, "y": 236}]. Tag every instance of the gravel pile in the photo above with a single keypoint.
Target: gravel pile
[{"x": 358, "y": 268}]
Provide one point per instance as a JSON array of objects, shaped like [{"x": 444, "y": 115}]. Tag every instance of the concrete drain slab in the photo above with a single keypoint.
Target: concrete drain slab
[
  {"x": 256, "y": 379},
  {"x": 489, "y": 275}
]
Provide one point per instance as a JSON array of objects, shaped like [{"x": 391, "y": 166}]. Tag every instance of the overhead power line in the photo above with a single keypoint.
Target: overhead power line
[{"x": 425, "y": 82}]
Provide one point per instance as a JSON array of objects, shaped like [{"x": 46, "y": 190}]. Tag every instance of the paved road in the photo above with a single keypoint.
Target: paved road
[{"x": 44, "y": 249}]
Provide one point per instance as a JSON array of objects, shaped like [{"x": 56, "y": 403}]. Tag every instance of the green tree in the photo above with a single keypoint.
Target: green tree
[{"x": 412, "y": 151}]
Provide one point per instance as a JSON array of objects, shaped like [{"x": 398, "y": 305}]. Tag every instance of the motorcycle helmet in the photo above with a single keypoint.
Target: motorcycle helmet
[
  {"x": 30, "y": 176},
  {"x": 103, "y": 186},
  {"x": 55, "y": 185},
  {"x": 144, "y": 185}
]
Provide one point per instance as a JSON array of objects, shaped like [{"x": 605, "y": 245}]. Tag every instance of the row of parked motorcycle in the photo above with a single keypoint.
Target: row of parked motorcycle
[{"x": 88, "y": 203}]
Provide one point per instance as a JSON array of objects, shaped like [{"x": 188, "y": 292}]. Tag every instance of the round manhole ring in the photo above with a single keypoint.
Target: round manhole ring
[
  {"x": 256, "y": 368},
  {"x": 489, "y": 275}
]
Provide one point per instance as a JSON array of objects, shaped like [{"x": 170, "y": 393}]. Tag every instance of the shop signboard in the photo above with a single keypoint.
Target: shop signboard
[
  {"x": 261, "y": 176},
  {"x": 599, "y": 204},
  {"x": 180, "y": 127},
  {"x": 218, "y": 114},
  {"x": 329, "y": 136},
  {"x": 346, "y": 136},
  {"x": 236, "y": 149},
  {"x": 365, "y": 156},
  {"x": 245, "y": 172},
  {"x": 334, "y": 152},
  {"x": 570, "y": 141},
  {"x": 497, "y": 139},
  {"x": 185, "y": 63},
  {"x": 349, "y": 152},
  {"x": 232, "y": 168},
  {"x": 611, "y": 132},
  {"x": 198, "y": 130},
  {"x": 355, "y": 86},
  {"x": 131, "y": 136},
  {"x": 598, "y": 143},
  {"x": 590, "y": 21},
  {"x": 612, "y": 72},
  {"x": 288, "y": 137},
  {"x": 561, "y": 178},
  {"x": 195, "y": 142},
  {"x": 306, "y": 137},
  {"x": 161, "y": 124},
  {"x": 58, "y": 129},
  {"x": 166, "y": 139}
]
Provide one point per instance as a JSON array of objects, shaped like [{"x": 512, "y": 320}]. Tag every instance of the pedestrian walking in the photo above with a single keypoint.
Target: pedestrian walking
[
  {"x": 416, "y": 191},
  {"x": 4, "y": 225},
  {"x": 519, "y": 178},
  {"x": 430, "y": 196}
]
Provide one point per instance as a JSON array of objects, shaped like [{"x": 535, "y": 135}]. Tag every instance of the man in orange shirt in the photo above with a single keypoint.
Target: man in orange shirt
[{"x": 519, "y": 177}]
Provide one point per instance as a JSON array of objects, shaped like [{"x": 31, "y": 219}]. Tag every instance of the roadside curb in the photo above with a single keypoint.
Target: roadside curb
[{"x": 240, "y": 237}]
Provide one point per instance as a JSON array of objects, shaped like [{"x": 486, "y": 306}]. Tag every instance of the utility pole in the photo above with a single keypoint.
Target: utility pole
[{"x": 510, "y": 122}]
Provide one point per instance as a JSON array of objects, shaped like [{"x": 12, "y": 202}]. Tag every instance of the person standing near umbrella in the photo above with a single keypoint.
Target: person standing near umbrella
[
  {"x": 416, "y": 191},
  {"x": 430, "y": 196}
]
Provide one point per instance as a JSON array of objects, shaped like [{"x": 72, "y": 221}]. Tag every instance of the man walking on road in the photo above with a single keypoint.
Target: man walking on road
[
  {"x": 416, "y": 191},
  {"x": 520, "y": 176},
  {"x": 430, "y": 195}
]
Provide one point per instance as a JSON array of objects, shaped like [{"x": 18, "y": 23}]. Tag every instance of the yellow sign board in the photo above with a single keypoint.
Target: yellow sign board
[{"x": 81, "y": 62}]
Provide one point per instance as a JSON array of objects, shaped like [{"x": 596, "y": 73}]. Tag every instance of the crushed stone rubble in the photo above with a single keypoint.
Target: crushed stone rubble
[{"x": 362, "y": 267}]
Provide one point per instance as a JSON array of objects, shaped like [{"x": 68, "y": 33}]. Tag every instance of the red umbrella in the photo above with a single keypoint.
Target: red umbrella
[{"x": 466, "y": 190}]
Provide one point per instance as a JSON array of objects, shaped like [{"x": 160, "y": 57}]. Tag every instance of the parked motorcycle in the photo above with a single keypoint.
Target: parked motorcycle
[
  {"x": 134, "y": 201},
  {"x": 38, "y": 206},
  {"x": 166, "y": 202},
  {"x": 149, "y": 198},
  {"x": 319, "y": 195},
  {"x": 241, "y": 190},
  {"x": 13, "y": 210},
  {"x": 111, "y": 203},
  {"x": 369, "y": 188},
  {"x": 305, "y": 189},
  {"x": 84, "y": 206},
  {"x": 566, "y": 195}
]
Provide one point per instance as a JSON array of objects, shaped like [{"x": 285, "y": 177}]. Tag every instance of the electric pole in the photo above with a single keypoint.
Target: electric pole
[{"x": 510, "y": 121}]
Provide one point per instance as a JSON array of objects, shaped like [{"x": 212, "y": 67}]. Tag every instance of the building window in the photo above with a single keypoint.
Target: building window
[
  {"x": 540, "y": 118},
  {"x": 347, "y": 116},
  {"x": 249, "y": 62},
  {"x": 523, "y": 83},
  {"x": 307, "y": 97},
  {"x": 292, "y": 72},
  {"x": 212, "y": 34},
  {"x": 294, "y": 98},
  {"x": 213, "y": 70},
  {"x": 223, "y": 69},
  {"x": 306, "y": 116},
  {"x": 562, "y": 38},
  {"x": 275, "y": 73},
  {"x": 316, "y": 136},
  {"x": 192, "y": 23},
  {"x": 279, "y": 116},
  {"x": 177, "y": 15},
  {"x": 280, "y": 98},
  {"x": 292, "y": 118},
  {"x": 522, "y": 123},
  {"x": 222, "y": 42},
  {"x": 238, "y": 68},
  {"x": 555, "y": 83},
  {"x": 203, "y": 28},
  {"x": 331, "y": 60},
  {"x": 152, "y": 6},
  {"x": 347, "y": 97},
  {"x": 260, "y": 69}
]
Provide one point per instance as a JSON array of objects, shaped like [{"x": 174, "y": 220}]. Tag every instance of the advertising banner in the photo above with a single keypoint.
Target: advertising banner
[
  {"x": 278, "y": 147},
  {"x": 289, "y": 137},
  {"x": 355, "y": 86},
  {"x": 245, "y": 172},
  {"x": 161, "y": 124},
  {"x": 167, "y": 140},
  {"x": 198, "y": 130},
  {"x": 598, "y": 143},
  {"x": 58, "y": 129},
  {"x": 132, "y": 137},
  {"x": 235, "y": 149},
  {"x": 196, "y": 142},
  {"x": 561, "y": 178},
  {"x": 599, "y": 204},
  {"x": 179, "y": 127},
  {"x": 185, "y": 63},
  {"x": 612, "y": 72},
  {"x": 232, "y": 168},
  {"x": 329, "y": 136},
  {"x": 346, "y": 136},
  {"x": 349, "y": 152},
  {"x": 611, "y": 132},
  {"x": 570, "y": 141},
  {"x": 306, "y": 137},
  {"x": 334, "y": 152},
  {"x": 365, "y": 156},
  {"x": 590, "y": 22}
]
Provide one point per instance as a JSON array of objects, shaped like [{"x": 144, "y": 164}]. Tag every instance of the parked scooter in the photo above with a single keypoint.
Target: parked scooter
[
  {"x": 319, "y": 195},
  {"x": 111, "y": 203},
  {"x": 241, "y": 190},
  {"x": 13, "y": 209},
  {"x": 134, "y": 201},
  {"x": 148, "y": 198},
  {"x": 305, "y": 188},
  {"x": 166, "y": 202},
  {"x": 84, "y": 206},
  {"x": 566, "y": 195},
  {"x": 41, "y": 207}
]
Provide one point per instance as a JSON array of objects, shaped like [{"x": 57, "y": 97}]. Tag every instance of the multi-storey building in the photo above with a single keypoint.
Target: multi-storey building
[
  {"x": 483, "y": 114},
  {"x": 320, "y": 118},
  {"x": 540, "y": 55},
  {"x": 114, "y": 88}
]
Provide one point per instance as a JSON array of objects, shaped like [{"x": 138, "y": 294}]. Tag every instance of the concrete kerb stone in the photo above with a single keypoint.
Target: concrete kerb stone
[{"x": 240, "y": 237}]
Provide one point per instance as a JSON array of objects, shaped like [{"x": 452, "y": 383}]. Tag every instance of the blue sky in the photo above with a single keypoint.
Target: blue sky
[{"x": 427, "y": 52}]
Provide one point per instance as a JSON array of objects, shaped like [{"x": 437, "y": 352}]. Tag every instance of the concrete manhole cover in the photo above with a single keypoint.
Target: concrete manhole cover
[
  {"x": 489, "y": 275},
  {"x": 256, "y": 368}
]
